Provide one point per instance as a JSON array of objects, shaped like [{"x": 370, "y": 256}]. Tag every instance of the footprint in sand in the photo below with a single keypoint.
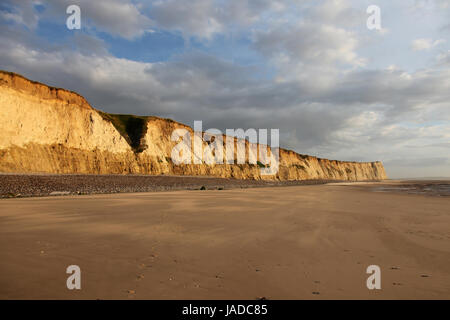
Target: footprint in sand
[{"x": 140, "y": 277}]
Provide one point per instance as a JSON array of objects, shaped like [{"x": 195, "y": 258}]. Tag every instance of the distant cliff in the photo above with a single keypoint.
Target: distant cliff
[{"x": 52, "y": 130}]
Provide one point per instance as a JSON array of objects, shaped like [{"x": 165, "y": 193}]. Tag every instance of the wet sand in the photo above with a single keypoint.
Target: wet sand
[{"x": 298, "y": 242}]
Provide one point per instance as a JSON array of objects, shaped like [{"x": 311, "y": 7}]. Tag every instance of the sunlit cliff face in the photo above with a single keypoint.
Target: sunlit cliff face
[{"x": 57, "y": 131}]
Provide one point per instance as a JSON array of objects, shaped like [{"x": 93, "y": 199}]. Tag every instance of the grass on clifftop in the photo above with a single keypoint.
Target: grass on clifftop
[{"x": 131, "y": 127}]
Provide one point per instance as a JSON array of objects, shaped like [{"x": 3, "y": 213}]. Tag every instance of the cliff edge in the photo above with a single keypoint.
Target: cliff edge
[{"x": 53, "y": 130}]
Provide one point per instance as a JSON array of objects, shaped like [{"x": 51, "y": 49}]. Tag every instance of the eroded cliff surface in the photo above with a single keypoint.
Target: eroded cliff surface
[{"x": 52, "y": 130}]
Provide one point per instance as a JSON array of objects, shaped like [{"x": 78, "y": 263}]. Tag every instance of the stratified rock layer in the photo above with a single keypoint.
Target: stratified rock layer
[{"x": 51, "y": 130}]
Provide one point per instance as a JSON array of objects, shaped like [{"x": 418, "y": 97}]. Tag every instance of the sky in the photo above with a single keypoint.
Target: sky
[{"x": 310, "y": 68}]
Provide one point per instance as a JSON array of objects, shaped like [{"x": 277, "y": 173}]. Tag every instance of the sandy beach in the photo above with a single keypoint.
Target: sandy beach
[{"x": 297, "y": 242}]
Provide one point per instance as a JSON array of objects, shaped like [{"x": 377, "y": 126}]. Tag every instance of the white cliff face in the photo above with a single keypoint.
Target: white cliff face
[{"x": 45, "y": 129}]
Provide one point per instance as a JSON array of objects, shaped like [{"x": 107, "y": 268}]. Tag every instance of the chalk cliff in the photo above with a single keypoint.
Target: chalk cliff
[{"x": 52, "y": 130}]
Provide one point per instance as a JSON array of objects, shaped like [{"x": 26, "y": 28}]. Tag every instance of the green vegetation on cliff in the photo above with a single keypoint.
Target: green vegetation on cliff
[{"x": 131, "y": 127}]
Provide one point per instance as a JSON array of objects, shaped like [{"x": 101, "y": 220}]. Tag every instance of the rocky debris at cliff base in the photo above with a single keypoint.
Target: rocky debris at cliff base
[{"x": 35, "y": 185}]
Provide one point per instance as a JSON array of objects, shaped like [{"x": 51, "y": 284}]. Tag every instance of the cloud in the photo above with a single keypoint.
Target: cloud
[
  {"x": 120, "y": 18},
  {"x": 204, "y": 19},
  {"x": 316, "y": 48},
  {"x": 197, "y": 17},
  {"x": 443, "y": 4},
  {"x": 425, "y": 44},
  {"x": 310, "y": 42},
  {"x": 20, "y": 12},
  {"x": 89, "y": 45},
  {"x": 423, "y": 162},
  {"x": 444, "y": 58},
  {"x": 117, "y": 17},
  {"x": 127, "y": 19}
]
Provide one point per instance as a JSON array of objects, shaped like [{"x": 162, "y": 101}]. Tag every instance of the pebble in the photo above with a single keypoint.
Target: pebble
[{"x": 29, "y": 185}]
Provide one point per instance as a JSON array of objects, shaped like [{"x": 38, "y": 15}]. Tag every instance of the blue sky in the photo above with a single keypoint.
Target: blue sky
[{"x": 310, "y": 68}]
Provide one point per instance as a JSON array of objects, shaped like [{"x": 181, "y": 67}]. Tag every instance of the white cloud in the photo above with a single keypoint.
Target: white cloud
[
  {"x": 121, "y": 18},
  {"x": 316, "y": 48},
  {"x": 444, "y": 58},
  {"x": 425, "y": 44},
  {"x": 196, "y": 17},
  {"x": 205, "y": 18}
]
